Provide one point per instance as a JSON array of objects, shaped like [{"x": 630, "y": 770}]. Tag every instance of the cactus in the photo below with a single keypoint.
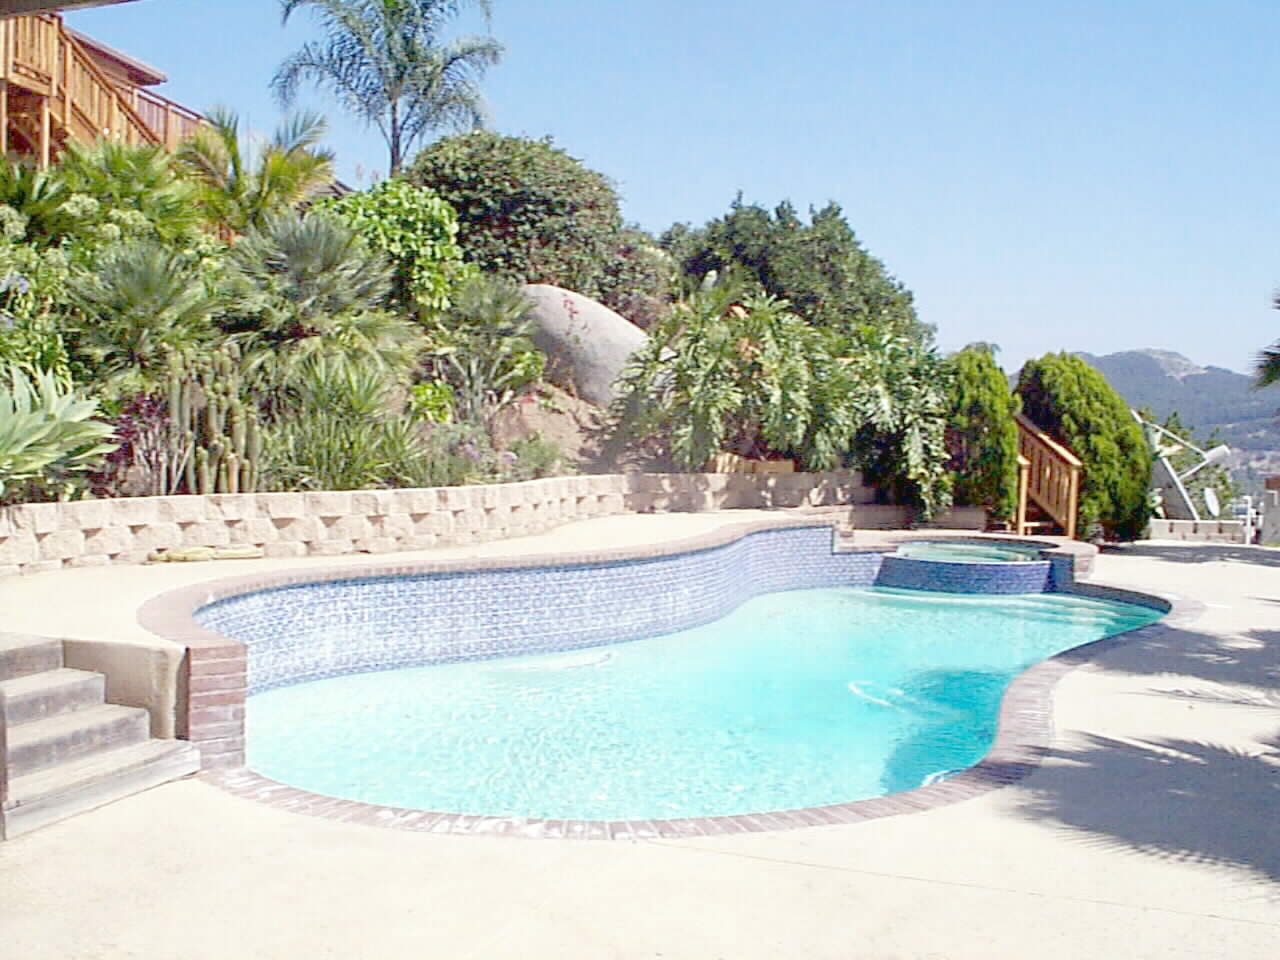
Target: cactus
[{"x": 215, "y": 427}]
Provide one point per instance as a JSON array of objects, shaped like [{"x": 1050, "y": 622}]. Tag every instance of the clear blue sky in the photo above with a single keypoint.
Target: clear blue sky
[{"x": 1092, "y": 176}]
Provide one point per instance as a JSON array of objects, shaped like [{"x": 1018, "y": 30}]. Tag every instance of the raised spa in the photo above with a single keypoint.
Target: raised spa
[{"x": 761, "y": 674}]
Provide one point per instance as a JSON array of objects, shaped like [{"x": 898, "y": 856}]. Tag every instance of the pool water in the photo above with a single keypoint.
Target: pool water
[
  {"x": 939, "y": 551},
  {"x": 801, "y": 698}
]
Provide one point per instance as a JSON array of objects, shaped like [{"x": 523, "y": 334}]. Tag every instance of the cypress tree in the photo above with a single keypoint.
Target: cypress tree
[
  {"x": 1074, "y": 404},
  {"x": 982, "y": 437}
]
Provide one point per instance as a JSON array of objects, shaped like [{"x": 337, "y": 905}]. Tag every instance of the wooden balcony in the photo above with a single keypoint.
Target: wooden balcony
[
  {"x": 56, "y": 90},
  {"x": 1048, "y": 478}
]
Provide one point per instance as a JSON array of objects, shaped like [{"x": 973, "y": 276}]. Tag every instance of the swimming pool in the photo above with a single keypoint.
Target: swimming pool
[
  {"x": 962, "y": 551},
  {"x": 299, "y": 627},
  {"x": 796, "y": 699}
]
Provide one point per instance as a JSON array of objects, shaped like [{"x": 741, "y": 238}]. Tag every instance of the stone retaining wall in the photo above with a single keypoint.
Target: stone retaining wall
[
  {"x": 36, "y": 537},
  {"x": 1197, "y": 531}
]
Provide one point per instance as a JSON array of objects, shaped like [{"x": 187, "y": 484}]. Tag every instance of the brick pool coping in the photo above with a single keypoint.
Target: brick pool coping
[{"x": 215, "y": 677}]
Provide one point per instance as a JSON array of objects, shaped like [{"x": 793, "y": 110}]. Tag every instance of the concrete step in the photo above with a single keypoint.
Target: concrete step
[
  {"x": 22, "y": 654},
  {"x": 42, "y": 744},
  {"x": 47, "y": 694},
  {"x": 37, "y": 799}
]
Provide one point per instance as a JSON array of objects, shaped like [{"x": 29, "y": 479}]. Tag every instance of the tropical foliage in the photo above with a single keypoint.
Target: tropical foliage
[
  {"x": 47, "y": 430},
  {"x": 982, "y": 436},
  {"x": 388, "y": 63},
  {"x": 239, "y": 186},
  {"x": 1073, "y": 403},
  {"x": 416, "y": 231}
]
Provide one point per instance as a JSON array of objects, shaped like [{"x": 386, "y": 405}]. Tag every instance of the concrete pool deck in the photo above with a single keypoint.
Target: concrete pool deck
[{"x": 1148, "y": 831}]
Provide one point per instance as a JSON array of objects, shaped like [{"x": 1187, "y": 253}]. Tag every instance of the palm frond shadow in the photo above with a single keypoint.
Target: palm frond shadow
[
  {"x": 1182, "y": 800},
  {"x": 1249, "y": 660},
  {"x": 1199, "y": 553}
]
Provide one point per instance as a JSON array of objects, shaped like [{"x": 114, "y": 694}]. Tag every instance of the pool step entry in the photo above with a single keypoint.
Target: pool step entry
[{"x": 66, "y": 750}]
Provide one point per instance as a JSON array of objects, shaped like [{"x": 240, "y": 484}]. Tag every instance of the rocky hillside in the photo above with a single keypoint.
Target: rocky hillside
[{"x": 1207, "y": 398}]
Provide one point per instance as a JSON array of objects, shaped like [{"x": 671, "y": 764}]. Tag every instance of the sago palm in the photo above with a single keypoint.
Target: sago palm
[
  {"x": 239, "y": 186},
  {"x": 387, "y": 63},
  {"x": 133, "y": 178}
]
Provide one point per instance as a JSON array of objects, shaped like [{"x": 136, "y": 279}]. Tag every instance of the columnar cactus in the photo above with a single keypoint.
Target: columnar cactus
[{"x": 214, "y": 424}]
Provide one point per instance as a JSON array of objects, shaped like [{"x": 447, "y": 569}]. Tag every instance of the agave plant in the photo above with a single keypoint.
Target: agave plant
[{"x": 46, "y": 428}]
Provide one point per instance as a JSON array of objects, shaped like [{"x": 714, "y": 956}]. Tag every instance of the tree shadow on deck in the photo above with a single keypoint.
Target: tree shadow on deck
[
  {"x": 1189, "y": 801},
  {"x": 1197, "y": 553}
]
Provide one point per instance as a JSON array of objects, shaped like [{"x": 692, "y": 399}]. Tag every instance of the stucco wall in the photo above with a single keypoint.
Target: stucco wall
[{"x": 39, "y": 537}]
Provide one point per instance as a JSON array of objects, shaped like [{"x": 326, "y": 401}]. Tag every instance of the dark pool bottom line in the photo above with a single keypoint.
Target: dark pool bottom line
[{"x": 1022, "y": 740}]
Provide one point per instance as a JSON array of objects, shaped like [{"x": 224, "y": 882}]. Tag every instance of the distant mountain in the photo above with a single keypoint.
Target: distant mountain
[{"x": 1208, "y": 399}]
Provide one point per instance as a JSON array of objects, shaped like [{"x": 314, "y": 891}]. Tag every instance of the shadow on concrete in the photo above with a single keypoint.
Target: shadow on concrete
[
  {"x": 1197, "y": 553},
  {"x": 1186, "y": 800},
  {"x": 1182, "y": 800}
]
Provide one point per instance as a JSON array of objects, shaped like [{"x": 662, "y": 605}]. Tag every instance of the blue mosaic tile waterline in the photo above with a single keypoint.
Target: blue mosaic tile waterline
[{"x": 315, "y": 630}]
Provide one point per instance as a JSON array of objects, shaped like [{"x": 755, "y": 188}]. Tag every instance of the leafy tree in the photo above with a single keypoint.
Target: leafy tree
[
  {"x": 527, "y": 211},
  {"x": 413, "y": 228},
  {"x": 46, "y": 429},
  {"x": 1073, "y": 403},
  {"x": 819, "y": 266},
  {"x": 387, "y": 63},
  {"x": 307, "y": 286},
  {"x": 982, "y": 436},
  {"x": 239, "y": 188}
]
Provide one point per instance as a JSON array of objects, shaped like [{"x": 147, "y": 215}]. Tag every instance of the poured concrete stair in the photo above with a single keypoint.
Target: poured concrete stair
[{"x": 66, "y": 749}]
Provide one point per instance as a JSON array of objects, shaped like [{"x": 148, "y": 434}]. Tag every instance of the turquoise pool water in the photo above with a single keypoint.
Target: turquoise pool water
[
  {"x": 968, "y": 552},
  {"x": 797, "y": 699}
]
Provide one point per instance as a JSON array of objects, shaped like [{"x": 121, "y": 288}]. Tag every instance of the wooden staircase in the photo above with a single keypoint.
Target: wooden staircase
[
  {"x": 53, "y": 91},
  {"x": 1048, "y": 483}
]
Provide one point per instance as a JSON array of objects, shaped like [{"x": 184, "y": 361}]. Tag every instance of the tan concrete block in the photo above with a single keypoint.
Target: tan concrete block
[
  {"x": 418, "y": 500},
  {"x": 332, "y": 548},
  {"x": 254, "y": 530},
  {"x": 350, "y": 527},
  {"x": 397, "y": 525},
  {"x": 371, "y": 502},
  {"x": 181, "y": 509},
  {"x": 284, "y": 549},
  {"x": 35, "y": 517},
  {"x": 328, "y": 503},
  {"x": 106, "y": 540},
  {"x": 298, "y": 529},
  {"x": 133, "y": 511},
  {"x": 453, "y": 498},
  {"x": 152, "y": 536},
  {"x": 19, "y": 547},
  {"x": 205, "y": 533},
  {"x": 421, "y": 541},
  {"x": 281, "y": 506},
  {"x": 85, "y": 514},
  {"x": 61, "y": 545},
  {"x": 375, "y": 545},
  {"x": 233, "y": 506},
  {"x": 10, "y": 570},
  {"x": 613, "y": 503}
]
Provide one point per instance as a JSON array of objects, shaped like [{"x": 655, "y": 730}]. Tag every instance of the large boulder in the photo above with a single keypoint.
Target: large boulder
[{"x": 587, "y": 344}]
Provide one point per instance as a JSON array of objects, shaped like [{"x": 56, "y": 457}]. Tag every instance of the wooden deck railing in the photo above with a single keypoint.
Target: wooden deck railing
[
  {"x": 38, "y": 54},
  {"x": 1049, "y": 476}
]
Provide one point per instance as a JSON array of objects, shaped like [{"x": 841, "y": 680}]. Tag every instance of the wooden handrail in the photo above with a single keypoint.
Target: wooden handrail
[
  {"x": 43, "y": 56},
  {"x": 1049, "y": 475}
]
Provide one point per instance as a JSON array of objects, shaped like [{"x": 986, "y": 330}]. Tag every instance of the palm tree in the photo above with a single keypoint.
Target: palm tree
[
  {"x": 1268, "y": 368},
  {"x": 140, "y": 178},
  {"x": 386, "y": 63},
  {"x": 306, "y": 287},
  {"x": 240, "y": 188}
]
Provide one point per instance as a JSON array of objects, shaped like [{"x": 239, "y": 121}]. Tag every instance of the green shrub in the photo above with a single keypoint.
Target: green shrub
[
  {"x": 982, "y": 436},
  {"x": 413, "y": 228},
  {"x": 47, "y": 433},
  {"x": 1074, "y": 404}
]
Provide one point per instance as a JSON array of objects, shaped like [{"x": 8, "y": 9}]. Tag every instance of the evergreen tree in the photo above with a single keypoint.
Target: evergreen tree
[
  {"x": 1073, "y": 403},
  {"x": 982, "y": 436}
]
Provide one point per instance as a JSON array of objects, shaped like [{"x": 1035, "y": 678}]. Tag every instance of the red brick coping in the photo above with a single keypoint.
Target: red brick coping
[{"x": 214, "y": 677}]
